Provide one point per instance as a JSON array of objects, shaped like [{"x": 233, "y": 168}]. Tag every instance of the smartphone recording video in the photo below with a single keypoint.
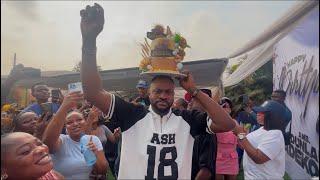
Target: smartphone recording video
[{"x": 73, "y": 87}]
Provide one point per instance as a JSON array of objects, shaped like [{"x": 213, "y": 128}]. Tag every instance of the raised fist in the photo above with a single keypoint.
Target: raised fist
[
  {"x": 187, "y": 83},
  {"x": 92, "y": 21}
]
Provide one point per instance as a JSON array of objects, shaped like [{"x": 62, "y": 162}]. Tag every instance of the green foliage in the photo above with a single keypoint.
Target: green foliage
[
  {"x": 110, "y": 176},
  {"x": 258, "y": 86},
  {"x": 77, "y": 67},
  {"x": 240, "y": 175},
  {"x": 286, "y": 176},
  {"x": 177, "y": 38},
  {"x": 234, "y": 67}
]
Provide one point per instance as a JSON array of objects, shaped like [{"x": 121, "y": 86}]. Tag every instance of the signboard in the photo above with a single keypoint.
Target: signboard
[{"x": 296, "y": 71}]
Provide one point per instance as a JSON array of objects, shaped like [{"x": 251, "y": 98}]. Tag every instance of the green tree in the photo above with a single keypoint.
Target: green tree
[
  {"x": 258, "y": 86},
  {"x": 77, "y": 67}
]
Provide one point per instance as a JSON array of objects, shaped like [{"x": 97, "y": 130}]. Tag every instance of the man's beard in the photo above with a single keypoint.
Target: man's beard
[{"x": 159, "y": 111}]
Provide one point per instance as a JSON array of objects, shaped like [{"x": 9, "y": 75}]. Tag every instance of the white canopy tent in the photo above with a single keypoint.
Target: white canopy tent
[
  {"x": 295, "y": 34},
  {"x": 259, "y": 50}
]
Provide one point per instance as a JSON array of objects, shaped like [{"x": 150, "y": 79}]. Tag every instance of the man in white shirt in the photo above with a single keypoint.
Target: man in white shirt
[
  {"x": 264, "y": 156},
  {"x": 157, "y": 142}
]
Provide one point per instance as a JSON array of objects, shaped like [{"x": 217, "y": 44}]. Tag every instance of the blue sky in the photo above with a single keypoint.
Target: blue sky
[{"x": 46, "y": 34}]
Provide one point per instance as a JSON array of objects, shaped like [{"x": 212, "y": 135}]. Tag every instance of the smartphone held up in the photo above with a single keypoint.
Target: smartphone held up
[{"x": 73, "y": 87}]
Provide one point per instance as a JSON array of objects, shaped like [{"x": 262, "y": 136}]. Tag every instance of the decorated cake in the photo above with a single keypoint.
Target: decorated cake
[{"x": 165, "y": 53}]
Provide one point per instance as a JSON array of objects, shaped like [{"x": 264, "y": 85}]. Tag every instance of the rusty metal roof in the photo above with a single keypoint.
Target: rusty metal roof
[{"x": 206, "y": 73}]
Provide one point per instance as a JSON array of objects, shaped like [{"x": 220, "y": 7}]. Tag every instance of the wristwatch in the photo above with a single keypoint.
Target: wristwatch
[
  {"x": 241, "y": 136},
  {"x": 194, "y": 92}
]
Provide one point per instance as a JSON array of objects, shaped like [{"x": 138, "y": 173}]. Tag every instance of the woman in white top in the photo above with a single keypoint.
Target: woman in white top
[
  {"x": 67, "y": 156},
  {"x": 264, "y": 156}
]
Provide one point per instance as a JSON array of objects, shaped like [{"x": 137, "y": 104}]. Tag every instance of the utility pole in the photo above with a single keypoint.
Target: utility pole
[{"x": 14, "y": 60}]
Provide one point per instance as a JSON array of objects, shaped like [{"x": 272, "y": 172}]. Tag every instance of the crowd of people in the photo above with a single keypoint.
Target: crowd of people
[
  {"x": 152, "y": 136},
  {"x": 215, "y": 155}
]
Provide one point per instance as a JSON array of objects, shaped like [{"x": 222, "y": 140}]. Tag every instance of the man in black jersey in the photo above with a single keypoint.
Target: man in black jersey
[{"x": 156, "y": 142}]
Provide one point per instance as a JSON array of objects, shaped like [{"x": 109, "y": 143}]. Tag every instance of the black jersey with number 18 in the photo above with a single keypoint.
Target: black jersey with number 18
[{"x": 155, "y": 147}]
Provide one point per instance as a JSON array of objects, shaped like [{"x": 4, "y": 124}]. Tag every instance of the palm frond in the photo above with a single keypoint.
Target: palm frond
[{"x": 147, "y": 44}]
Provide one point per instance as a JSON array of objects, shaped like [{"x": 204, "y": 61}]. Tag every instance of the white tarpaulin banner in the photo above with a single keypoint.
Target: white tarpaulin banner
[
  {"x": 296, "y": 70},
  {"x": 259, "y": 50}
]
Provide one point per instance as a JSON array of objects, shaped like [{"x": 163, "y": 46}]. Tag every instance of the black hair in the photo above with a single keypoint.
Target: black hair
[
  {"x": 207, "y": 91},
  {"x": 85, "y": 113},
  {"x": 273, "y": 123},
  {"x": 101, "y": 120},
  {"x": 226, "y": 100},
  {"x": 36, "y": 84},
  {"x": 16, "y": 122},
  {"x": 161, "y": 77},
  {"x": 281, "y": 92},
  {"x": 16, "y": 119},
  {"x": 183, "y": 103}
]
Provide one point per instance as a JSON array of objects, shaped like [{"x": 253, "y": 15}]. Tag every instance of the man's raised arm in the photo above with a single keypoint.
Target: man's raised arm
[
  {"x": 221, "y": 121},
  {"x": 92, "y": 21}
]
